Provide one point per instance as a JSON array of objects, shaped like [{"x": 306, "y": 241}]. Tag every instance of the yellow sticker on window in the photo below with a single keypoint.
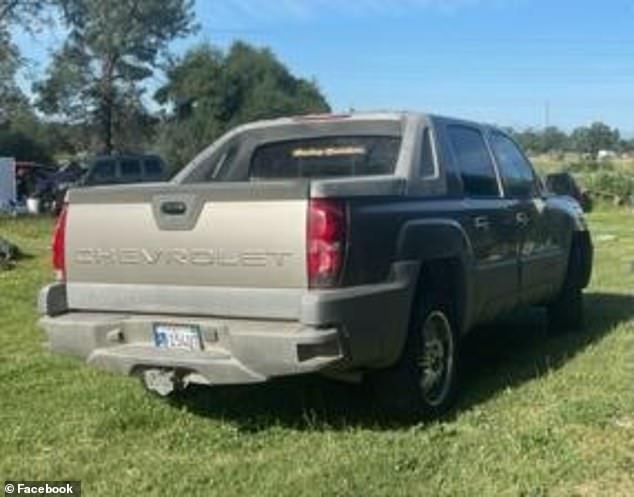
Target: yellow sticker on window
[{"x": 327, "y": 152}]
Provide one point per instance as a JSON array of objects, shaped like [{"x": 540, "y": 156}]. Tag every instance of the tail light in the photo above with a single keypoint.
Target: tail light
[
  {"x": 326, "y": 242},
  {"x": 59, "y": 245}
]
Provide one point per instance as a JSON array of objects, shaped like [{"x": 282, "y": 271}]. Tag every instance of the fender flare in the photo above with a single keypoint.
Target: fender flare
[{"x": 427, "y": 240}]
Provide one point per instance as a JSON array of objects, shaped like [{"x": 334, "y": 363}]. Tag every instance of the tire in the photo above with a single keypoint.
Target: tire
[
  {"x": 565, "y": 313},
  {"x": 424, "y": 381}
]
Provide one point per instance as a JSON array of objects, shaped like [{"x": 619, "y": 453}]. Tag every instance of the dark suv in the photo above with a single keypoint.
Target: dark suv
[{"x": 121, "y": 169}]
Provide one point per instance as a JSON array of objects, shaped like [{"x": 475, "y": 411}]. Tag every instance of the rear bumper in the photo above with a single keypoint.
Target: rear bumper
[
  {"x": 234, "y": 351},
  {"x": 343, "y": 329}
]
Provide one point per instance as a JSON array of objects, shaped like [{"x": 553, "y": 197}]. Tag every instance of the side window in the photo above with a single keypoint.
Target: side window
[
  {"x": 153, "y": 168},
  {"x": 474, "y": 162},
  {"x": 426, "y": 166},
  {"x": 104, "y": 170},
  {"x": 517, "y": 173},
  {"x": 130, "y": 169}
]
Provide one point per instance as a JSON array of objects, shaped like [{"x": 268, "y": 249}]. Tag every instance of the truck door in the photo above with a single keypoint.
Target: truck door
[
  {"x": 541, "y": 256},
  {"x": 489, "y": 222}
]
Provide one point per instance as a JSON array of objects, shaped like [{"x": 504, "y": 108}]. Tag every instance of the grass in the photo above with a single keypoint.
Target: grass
[
  {"x": 541, "y": 416},
  {"x": 550, "y": 163}
]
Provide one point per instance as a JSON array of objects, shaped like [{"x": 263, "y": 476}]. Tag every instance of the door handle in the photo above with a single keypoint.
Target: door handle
[
  {"x": 522, "y": 219},
  {"x": 481, "y": 222},
  {"x": 173, "y": 208}
]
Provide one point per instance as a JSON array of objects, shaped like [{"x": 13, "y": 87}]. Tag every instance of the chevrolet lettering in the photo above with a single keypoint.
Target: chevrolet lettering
[{"x": 196, "y": 257}]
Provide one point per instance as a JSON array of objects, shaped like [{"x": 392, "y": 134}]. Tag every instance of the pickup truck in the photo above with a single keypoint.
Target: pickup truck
[{"x": 362, "y": 247}]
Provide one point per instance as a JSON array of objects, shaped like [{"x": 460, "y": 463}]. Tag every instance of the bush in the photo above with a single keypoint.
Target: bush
[
  {"x": 588, "y": 166},
  {"x": 620, "y": 185}
]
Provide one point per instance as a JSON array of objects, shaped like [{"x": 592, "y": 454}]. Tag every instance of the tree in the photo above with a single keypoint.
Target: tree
[
  {"x": 15, "y": 143},
  {"x": 553, "y": 140},
  {"x": 530, "y": 140},
  {"x": 580, "y": 139},
  {"x": 13, "y": 13},
  {"x": 22, "y": 135},
  {"x": 134, "y": 124},
  {"x": 550, "y": 139},
  {"x": 25, "y": 14},
  {"x": 10, "y": 94},
  {"x": 22, "y": 12},
  {"x": 627, "y": 145},
  {"x": 210, "y": 91},
  {"x": 599, "y": 136},
  {"x": 112, "y": 46}
]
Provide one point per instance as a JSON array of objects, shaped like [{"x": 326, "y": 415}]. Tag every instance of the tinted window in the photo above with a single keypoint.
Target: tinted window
[
  {"x": 426, "y": 167},
  {"x": 130, "y": 168},
  {"x": 103, "y": 171},
  {"x": 325, "y": 157},
  {"x": 474, "y": 162},
  {"x": 153, "y": 168},
  {"x": 516, "y": 171}
]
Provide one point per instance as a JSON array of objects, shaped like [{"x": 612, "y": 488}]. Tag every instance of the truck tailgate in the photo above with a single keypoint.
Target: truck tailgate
[{"x": 198, "y": 248}]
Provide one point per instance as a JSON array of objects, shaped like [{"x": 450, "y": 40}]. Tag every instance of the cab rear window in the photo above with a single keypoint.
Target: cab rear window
[{"x": 326, "y": 157}]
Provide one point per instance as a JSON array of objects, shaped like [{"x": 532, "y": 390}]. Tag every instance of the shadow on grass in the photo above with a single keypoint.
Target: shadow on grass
[{"x": 514, "y": 350}]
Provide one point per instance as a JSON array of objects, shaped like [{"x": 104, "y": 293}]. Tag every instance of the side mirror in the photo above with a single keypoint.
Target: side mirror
[
  {"x": 561, "y": 184},
  {"x": 565, "y": 184}
]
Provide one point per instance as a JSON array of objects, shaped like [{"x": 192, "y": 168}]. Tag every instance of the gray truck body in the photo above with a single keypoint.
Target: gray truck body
[{"x": 232, "y": 264}]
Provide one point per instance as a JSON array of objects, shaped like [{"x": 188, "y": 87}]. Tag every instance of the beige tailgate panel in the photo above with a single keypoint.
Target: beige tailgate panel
[{"x": 233, "y": 244}]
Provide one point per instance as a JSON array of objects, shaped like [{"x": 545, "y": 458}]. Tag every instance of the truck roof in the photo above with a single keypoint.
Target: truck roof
[{"x": 379, "y": 115}]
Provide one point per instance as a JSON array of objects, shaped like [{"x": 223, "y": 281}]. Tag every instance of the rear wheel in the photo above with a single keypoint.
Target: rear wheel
[
  {"x": 436, "y": 359},
  {"x": 423, "y": 382}
]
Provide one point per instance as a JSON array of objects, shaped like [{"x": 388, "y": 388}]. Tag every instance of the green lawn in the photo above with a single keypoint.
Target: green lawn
[{"x": 540, "y": 415}]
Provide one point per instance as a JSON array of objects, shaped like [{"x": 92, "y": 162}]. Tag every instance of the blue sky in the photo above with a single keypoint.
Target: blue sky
[{"x": 502, "y": 61}]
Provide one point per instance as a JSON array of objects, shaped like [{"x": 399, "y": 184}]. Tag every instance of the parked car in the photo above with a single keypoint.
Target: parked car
[
  {"x": 51, "y": 189},
  {"x": 125, "y": 168},
  {"x": 564, "y": 183},
  {"x": 359, "y": 246},
  {"x": 28, "y": 175}
]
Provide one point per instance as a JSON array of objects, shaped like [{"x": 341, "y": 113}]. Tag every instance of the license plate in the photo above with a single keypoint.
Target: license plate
[{"x": 177, "y": 336}]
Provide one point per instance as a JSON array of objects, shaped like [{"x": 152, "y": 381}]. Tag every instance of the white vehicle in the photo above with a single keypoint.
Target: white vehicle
[{"x": 8, "y": 192}]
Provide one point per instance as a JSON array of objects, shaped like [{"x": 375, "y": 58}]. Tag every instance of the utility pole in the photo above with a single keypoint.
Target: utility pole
[{"x": 546, "y": 114}]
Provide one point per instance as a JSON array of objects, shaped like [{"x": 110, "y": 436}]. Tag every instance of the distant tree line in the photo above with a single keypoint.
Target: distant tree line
[{"x": 586, "y": 140}]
